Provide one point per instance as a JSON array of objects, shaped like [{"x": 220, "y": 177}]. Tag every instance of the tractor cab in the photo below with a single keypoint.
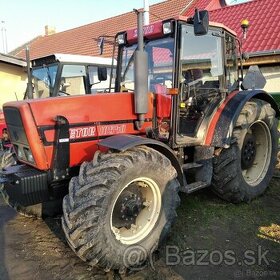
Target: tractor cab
[
  {"x": 176, "y": 121},
  {"x": 65, "y": 74},
  {"x": 189, "y": 74}
]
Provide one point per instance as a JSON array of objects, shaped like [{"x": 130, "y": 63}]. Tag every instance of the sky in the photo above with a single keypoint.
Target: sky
[{"x": 23, "y": 20}]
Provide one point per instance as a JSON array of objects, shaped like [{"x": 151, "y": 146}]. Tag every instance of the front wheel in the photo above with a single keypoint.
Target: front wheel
[
  {"x": 121, "y": 206},
  {"x": 243, "y": 171}
]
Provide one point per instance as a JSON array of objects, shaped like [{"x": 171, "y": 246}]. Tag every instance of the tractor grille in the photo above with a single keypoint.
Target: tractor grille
[
  {"x": 17, "y": 134},
  {"x": 15, "y": 126}
]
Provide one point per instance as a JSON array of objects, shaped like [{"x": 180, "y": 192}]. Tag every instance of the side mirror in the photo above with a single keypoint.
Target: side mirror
[
  {"x": 254, "y": 79},
  {"x": 201, "y": 22},
  {"x": 102, "y": 73},
  {"x": 101, "y": 45}
]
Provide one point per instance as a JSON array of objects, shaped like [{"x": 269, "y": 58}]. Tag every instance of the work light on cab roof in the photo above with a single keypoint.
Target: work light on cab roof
[
  {"x": 121, "y": 38},
  {"x": 167, "y": 27}
]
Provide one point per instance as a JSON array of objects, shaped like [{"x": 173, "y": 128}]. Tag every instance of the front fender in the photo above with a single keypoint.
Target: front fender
[
  {"x": 124, "y": 142},
  {"x": 222, "y": 123}
]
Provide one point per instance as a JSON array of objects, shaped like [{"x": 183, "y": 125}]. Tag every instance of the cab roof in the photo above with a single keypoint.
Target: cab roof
[{"x": 73, "y": 58}]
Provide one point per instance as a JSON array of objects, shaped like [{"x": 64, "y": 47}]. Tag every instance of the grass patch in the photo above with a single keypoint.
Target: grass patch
[{"x": 203, "y": 218}]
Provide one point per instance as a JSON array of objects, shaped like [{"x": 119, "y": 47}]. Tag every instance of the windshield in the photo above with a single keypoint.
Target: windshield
[
  {"x": 160, "y": 63},
  {"x": 43, "y": 80},
  {"x": 201, "y": 59}
]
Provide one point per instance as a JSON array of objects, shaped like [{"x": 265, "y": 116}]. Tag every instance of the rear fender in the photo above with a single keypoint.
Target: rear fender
[
  {"x": 124, "y": 142},
  {"x": 223, "y": 121}
]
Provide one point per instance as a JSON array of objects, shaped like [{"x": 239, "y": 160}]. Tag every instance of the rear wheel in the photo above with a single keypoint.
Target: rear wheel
[
  {"x": 120, "y": 207},
  {"x": 243, "y": 171}
]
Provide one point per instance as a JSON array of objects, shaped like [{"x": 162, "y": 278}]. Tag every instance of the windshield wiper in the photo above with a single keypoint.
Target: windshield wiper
[
  {"x": 128, "y": 64},
  {"x": 48, "y": 75}
]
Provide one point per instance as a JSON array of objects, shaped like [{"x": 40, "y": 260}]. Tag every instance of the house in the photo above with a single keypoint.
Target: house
[
  {"x": 83, "y": 40},
  {"x": 263, "y": 39},
  {"x": 13, "y": 78},
  {"x": 262, "y": 43}
]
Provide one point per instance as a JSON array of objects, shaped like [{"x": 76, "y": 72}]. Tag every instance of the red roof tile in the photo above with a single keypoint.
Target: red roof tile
[
  {"x": 264, "y": 17},
  {"x": 83, "y": 40},
  {"x": 202, "y": 5}
]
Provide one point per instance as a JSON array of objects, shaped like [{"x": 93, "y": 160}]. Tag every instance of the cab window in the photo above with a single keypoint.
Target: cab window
[{"x": 73, "y": 80}]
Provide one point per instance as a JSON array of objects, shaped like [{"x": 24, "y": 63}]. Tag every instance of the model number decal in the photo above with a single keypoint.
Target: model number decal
[
  {"x": 95, "y": 131},
  {"x": 148, "y": 29}
]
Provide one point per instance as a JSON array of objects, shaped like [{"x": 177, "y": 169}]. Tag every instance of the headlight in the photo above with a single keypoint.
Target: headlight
[
  {"x": 121, "y": 39},
  {"x": 28, "y": 155},
  {"x": 19, "y": 152},
  {"x": 167, "y": 27}
]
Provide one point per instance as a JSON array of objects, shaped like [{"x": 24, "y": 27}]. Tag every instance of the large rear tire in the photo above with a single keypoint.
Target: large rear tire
[
  {"x": 243, "y": 171},
  {"x": 121, "y": 205}
]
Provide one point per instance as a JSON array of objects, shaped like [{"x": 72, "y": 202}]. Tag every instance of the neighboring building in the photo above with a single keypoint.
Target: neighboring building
[
  {"x": 262, "y": 44},
  {"x": 263, "y": 37},
  {"x": 13, "y": 78},
  {"x": 83, "y": 40}
]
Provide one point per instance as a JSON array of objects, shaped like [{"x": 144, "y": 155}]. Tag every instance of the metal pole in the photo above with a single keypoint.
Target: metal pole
[
  {"x": 29, "y": 78},
  {"x": 146, "y": 12},
  {"x": 6, "y": 41},
  {"x": 140, "y": 31},
  {"x": 3, "y": 44},
  {"x": 2, "y": 33},
  {"x": 4, "y": 37}
]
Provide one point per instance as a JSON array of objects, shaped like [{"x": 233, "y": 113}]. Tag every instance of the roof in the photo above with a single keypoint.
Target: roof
[
  {"x": 12, "y": 60},
  {"x": 83, "y": 40},
  {"x": 264, "y": 31},
  {"x": 82, "y": 59}
]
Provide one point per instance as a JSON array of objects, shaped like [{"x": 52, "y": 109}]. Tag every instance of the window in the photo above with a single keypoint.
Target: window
[
  {"x": 99, "y": 86},
  {"x": 44, "y": 80},
  {"x": 73, "y": 80},
  {"x": 201, "y": 59},
  {"x": 160, "y": 64},
  {"x": 231, "y": 62}
]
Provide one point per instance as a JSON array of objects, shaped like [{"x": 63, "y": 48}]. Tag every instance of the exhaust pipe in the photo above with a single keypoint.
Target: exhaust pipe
[
  {"x": 146, "y": 12},
  {"x": 140, "y": 75}
]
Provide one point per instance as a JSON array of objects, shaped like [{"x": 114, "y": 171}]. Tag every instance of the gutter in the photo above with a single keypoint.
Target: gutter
[
  {"x": 264, "y": 53},
  {"x": 12, "y": 60}
]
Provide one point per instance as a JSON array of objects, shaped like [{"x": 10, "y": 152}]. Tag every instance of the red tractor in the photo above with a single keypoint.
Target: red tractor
[
  {"x": 59, "y": 75},
  {"x": 177, "y": 121}
]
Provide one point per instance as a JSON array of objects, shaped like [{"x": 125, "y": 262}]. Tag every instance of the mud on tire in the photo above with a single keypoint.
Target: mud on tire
[
  {"x": 243, "y": 171},
  {"x": 120, "y": 204}
]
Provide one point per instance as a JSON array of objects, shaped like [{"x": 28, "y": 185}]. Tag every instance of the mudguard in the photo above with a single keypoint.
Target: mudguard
[
  {"x": 222, "y": 123},
  {"x": 125, "y": 141}
]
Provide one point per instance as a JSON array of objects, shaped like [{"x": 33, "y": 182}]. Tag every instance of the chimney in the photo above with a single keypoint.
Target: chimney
[{"x": 49, "y": 30}]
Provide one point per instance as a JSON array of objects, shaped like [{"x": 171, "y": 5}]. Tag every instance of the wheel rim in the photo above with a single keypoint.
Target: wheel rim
[
  {"x": 256, "y": 153},
  {"x": 136, "y": 210}
]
